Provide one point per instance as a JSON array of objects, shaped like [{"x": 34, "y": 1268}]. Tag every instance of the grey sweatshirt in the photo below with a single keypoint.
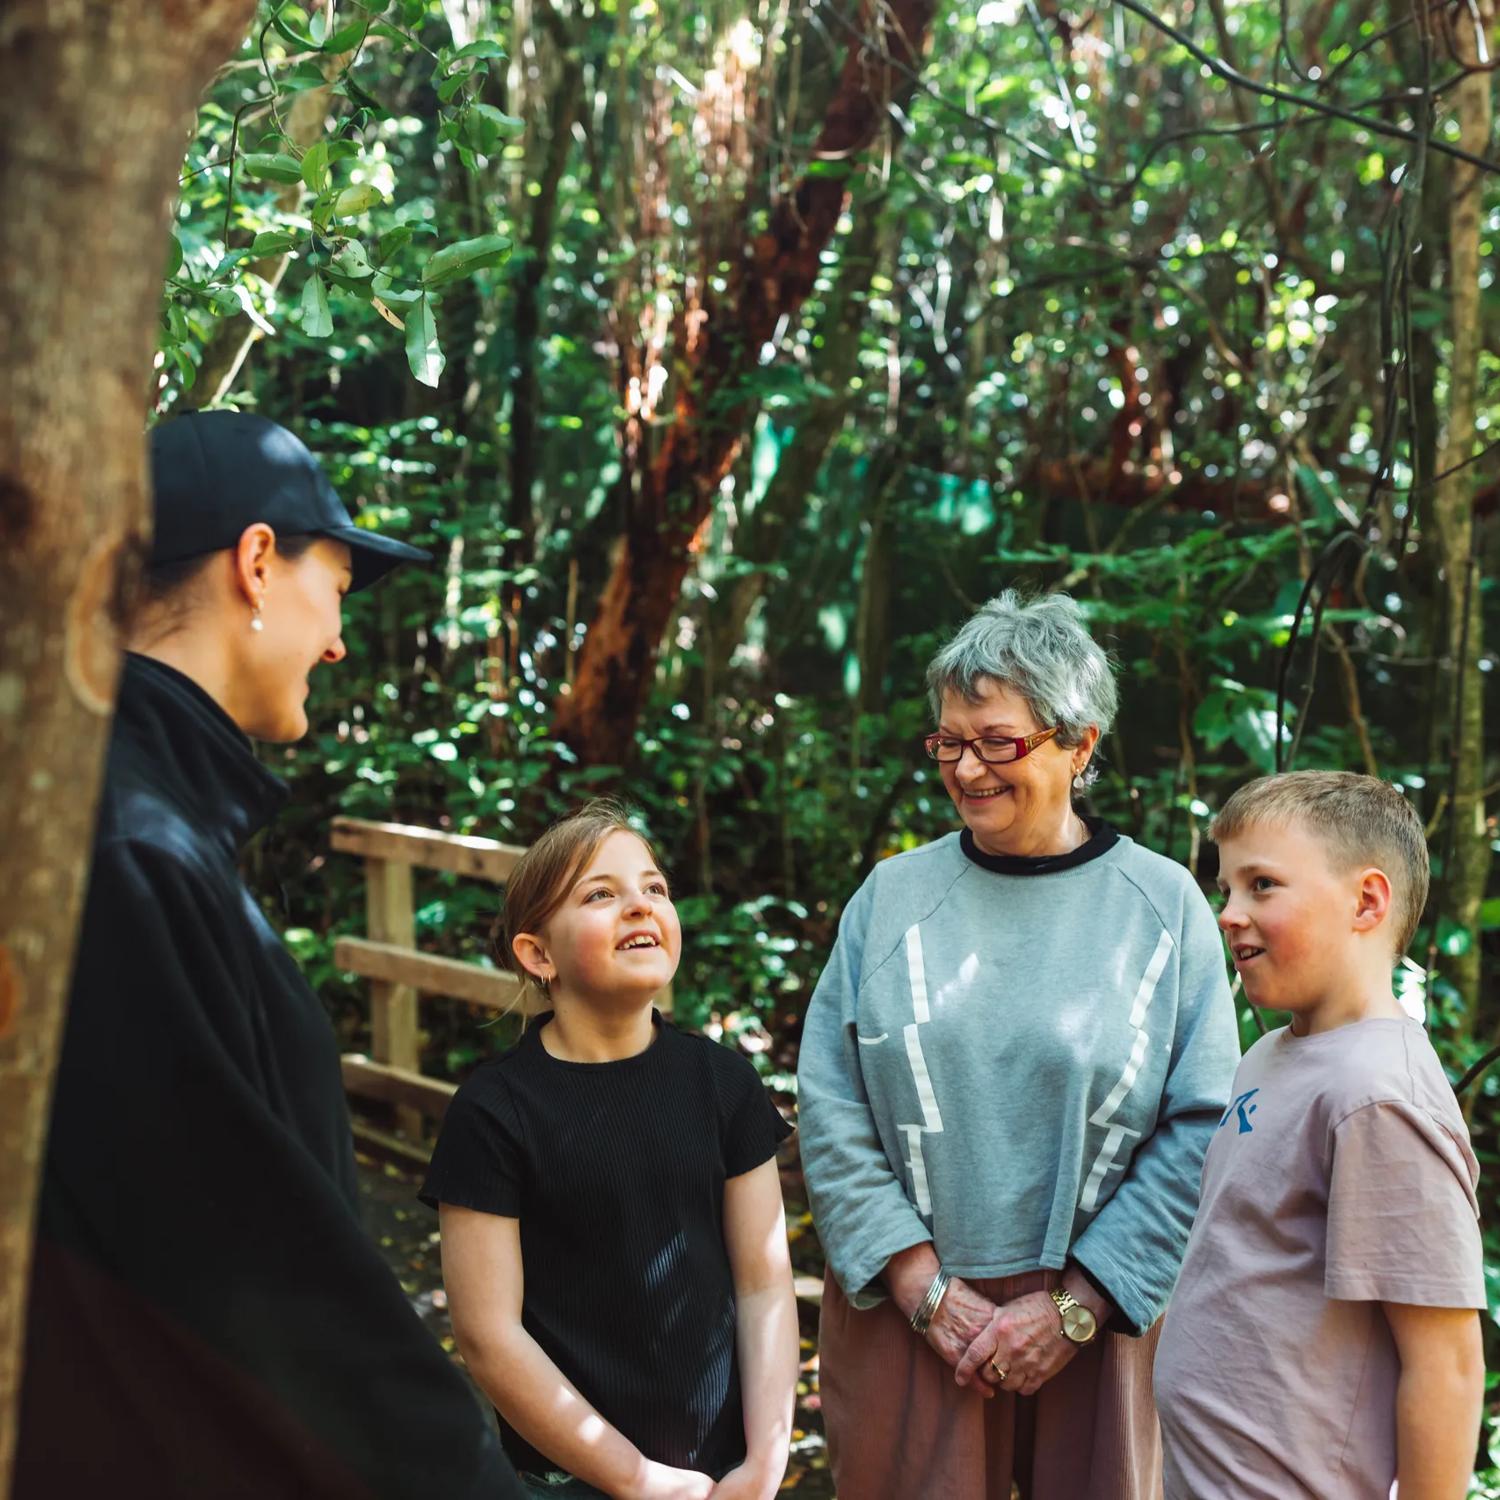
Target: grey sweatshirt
[{"x": 1021, "y": 1068}]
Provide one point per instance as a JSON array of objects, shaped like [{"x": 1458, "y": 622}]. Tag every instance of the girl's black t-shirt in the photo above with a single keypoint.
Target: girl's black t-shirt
[{"x": 616, "y": 1172}]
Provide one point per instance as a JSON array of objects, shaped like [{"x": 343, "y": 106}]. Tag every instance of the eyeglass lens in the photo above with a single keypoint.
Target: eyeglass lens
[{"x": 991, "y": 751}]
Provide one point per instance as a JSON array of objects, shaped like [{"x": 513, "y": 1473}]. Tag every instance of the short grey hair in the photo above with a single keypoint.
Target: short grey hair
[{"x": 1042, "y": 650}]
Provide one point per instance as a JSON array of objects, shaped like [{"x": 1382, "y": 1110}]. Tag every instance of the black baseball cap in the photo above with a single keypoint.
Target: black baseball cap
[{"x": 217, "y": 472}]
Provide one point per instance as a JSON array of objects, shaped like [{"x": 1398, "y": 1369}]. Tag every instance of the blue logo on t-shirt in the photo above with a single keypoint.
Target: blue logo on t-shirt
[{"x": 1240, "y": 1104}]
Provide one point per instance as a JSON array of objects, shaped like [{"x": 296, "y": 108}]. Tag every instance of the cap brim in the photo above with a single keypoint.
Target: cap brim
[{"x": 373, "y": 555}]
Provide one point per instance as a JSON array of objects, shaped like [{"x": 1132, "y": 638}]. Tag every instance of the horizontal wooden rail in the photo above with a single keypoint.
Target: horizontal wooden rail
[
  {"x": 400, "y": 1086},
  {"x": 484, "y": 859},
  {"x": 427, "y": 973}
]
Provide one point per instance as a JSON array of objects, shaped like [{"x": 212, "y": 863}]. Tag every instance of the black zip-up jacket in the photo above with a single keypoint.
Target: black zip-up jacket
[{"x": 208, "y": 1319}]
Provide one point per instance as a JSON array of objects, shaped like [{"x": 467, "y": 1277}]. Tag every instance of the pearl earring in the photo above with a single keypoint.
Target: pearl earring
[
  {"x": 1078, "y": 782},
  {"x": 256, "y": 623}
]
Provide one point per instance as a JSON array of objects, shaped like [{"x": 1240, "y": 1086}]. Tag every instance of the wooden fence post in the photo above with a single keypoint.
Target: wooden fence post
[{"x": 393, "y": 1007}]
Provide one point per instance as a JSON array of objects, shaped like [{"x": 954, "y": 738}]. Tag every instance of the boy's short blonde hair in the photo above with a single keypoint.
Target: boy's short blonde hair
[{"x": 1362, "y": 821}]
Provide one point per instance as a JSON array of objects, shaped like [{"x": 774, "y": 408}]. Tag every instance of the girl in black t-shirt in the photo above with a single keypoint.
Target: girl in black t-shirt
[{"x": 613, "y": 1242}]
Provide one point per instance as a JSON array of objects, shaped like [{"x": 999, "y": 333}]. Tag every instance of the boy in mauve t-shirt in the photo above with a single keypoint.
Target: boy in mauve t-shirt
[{"x": 1322, "y": 1341}]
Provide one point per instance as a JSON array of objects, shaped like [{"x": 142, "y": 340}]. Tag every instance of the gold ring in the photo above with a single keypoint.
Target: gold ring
[{"x": 999, "y": 1373}]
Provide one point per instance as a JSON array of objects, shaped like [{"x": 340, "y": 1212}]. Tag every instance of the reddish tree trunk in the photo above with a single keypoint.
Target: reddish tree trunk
[
  {"x": 719, "y": 347},
  {"x": 95, "y": 98}
]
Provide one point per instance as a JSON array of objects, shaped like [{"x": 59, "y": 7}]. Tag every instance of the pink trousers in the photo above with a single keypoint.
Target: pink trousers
[{"x": 899, "y": 1428}]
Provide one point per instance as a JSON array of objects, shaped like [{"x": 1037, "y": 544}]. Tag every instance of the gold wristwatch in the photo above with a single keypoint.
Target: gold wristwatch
[{"x": 1079, "y": 1325}]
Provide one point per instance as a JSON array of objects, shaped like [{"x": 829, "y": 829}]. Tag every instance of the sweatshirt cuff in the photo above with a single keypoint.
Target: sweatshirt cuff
[
  {"x": 1134, "y": 1312},
  {"x": 1099, "y": 1287},
  {"x": 859, "y": 1275}
]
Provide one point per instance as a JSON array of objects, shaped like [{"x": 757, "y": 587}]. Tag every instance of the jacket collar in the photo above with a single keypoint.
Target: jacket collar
[{"x": 194, "y": 753}]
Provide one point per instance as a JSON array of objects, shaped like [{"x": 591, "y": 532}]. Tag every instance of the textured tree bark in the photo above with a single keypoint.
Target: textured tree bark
[
  {"x": 719, "y": 348},
  {"x": 763, "y": 532},
  {"x": 94, "y": 98},
  {"x": 1453, "y": 511}
]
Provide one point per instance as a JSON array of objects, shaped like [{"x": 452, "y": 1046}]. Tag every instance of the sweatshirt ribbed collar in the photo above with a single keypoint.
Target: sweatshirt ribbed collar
[
  {"x": 1102, "y": 838},
  {"x": 193, "y": 753}
]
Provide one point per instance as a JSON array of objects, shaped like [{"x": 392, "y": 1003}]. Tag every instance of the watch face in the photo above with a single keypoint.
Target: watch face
[{"x": 1079, "y": 1324}]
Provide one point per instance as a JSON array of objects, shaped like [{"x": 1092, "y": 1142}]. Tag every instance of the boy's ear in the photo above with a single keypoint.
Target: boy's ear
[
  {"x": 531, "y": 954},
  {"x": 1373, "y": 900}
]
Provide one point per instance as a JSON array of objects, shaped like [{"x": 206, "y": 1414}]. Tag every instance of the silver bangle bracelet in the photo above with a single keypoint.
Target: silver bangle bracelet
[{"x": 927, "y": 1309}]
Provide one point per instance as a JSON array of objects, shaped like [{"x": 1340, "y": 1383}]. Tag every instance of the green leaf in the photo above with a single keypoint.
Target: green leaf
[
  {"x": 998, "y": 88},
  {"x": 1454, "y": 940},
  {"x": 356, "y": 200},
  {"x": 321, "y": 212},
  {"x": 388, "y": 292},
  {"x": 1254, "y": 731},
  {"x": 174, "y": 255},
  {"x": 1489, "y": 914},
  {"x": 348, "y": 87},
  {"x": 317, "y": 321},
  {"x": 479, "y": 49},
  {"x": 272, "y": 242},
  {"x": 315, "y": 171},
  {"x": 392, "y": 243},
  {"x": 298, "y": 39},
  {"x": 485, "y": 127},
  {"x": 465, "y": 257},
  {"x": 306, "y": 75},
  {"x": 351, "y": 260},
  {"x": 346, "y": 38},
  {"x": 423, "y": 353},
  {"x": 1211, "y": 722},
  {"x": 271, "y": 166},
  {"x": 450, "y": 86}
]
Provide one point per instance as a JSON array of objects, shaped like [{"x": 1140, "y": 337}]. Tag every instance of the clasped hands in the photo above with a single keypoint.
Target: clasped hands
[{"x": 1017, "y": 1346}]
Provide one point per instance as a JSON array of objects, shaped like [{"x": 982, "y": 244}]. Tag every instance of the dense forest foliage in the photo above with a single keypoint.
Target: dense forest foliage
[{"x": 726, "y": 356}]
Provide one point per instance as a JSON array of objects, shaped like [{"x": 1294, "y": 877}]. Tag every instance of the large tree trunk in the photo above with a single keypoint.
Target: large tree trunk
[
  {"x": 1467, "y": 866},
  {"x": 94, "y": 100},
  {"x": 719, "y": 347},
  {"x": 763, "y": 532}
]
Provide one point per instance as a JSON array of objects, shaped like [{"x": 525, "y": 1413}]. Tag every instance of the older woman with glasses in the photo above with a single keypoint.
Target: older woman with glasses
[{"x": 1010, "y": 1072}]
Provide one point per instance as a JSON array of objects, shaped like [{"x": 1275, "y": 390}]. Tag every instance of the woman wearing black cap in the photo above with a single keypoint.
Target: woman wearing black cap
[{"x": 207, "y": 1316}]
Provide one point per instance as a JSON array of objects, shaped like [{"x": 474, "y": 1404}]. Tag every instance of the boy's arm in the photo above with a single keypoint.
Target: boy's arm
[
  {"x": 766, "y": 1320},
  {"x": 483, "y": 1276},
  {"x": 1438, "y": 1399}
]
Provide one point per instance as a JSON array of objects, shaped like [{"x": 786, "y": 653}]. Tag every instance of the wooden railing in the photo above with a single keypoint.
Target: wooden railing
[{"x": 400, "y": 975}]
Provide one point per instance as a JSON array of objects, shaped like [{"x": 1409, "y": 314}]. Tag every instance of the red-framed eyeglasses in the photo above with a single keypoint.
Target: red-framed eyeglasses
[{"x": 993, "y": 750}]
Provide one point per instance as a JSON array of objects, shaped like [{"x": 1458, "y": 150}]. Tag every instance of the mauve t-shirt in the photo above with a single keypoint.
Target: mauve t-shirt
[{"x": 1340, "y": 1177}]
